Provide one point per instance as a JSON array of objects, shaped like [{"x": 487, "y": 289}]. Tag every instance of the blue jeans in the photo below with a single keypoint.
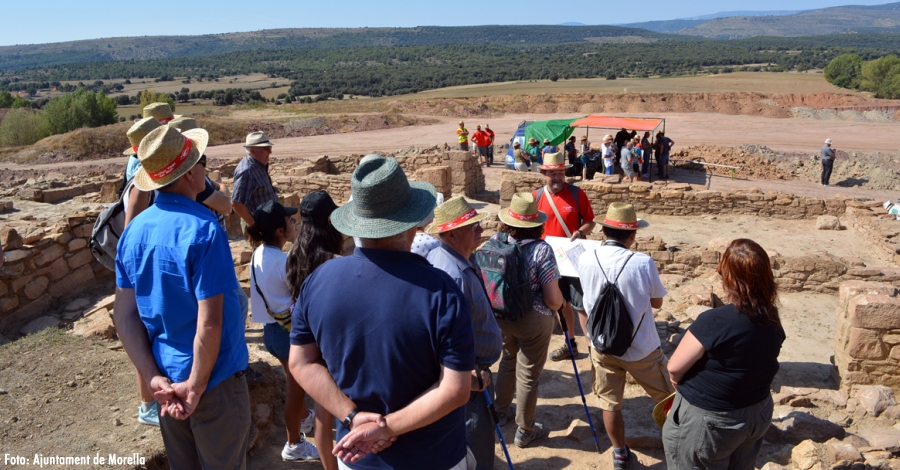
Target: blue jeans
[
  {"x": 277, "y": 341},
  {"x": 480, "y": 431}
]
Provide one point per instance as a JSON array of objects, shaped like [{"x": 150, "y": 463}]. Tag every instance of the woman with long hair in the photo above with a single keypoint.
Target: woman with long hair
[
  {"x": 271, "y": 302},
  {"x": 317, "y": 242},
  {"x": 723, "y": 369},
  {"x": 527, "y": 340}
]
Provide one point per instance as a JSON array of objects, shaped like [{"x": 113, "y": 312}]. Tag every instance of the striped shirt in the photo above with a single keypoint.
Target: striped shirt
[
  {"x": 467, "y": 275},
  {"x": 252, "y": 184}
]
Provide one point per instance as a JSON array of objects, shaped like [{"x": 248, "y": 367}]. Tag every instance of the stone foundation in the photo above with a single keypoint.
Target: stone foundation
[{"x": 867, "y": 335}]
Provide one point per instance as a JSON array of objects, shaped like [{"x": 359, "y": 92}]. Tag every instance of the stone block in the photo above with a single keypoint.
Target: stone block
[
  {"x": 77, "y": 244},
  {"x": 79, "y": 259},
  {"x": 39, "y": 324},
  {"x": 794, "y": 426},
  {"x": 662, "y": 256},
  {"x": 13, "y": 256},
  {"x": 52, "y": 196},
  {"x": 24, "y": 314},
  {"x": 80, "y": 278},
  {"x": 10, "y": 238},
  {"x": 874, "y": 311},
  {"x": 850, "y": 289},
  {"x": 36, "y": 287},
  {"x": 828, "y": 222},
  {"x": 805, "y": 455},
  {"x": 865, "y": 344},
  {"x": 709, "y": 257},
  {"x": 49, "y": 254},
  {"x": 882, "y": 438},
  {"x": 98, "y": 324},
  {"x": 84, "y": 230},
  {"x": 58, "y": 269},
  {"x": 839, "y": 450},
  {"x": 874, "y": 398},
  {"x": 31, "y": 194},
  {"x": 8, "y": 304}
]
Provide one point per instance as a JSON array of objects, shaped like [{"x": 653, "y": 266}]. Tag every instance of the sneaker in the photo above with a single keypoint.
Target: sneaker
[
  {"x": 562, "y": 353},
  {"x": 149, "y": 417},
  {"x": 306, "y": 425},
  {"x": 504, "y": 418},
  {"x": 524, "y": 438},
  {"x": 302, "y": 450},
  {"x": 622, "y": 462}
]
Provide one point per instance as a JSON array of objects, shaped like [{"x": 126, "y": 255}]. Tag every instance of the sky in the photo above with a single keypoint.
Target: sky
[{"x": 66, "y": 20}]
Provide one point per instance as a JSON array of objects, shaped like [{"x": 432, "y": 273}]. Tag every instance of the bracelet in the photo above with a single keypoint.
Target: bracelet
[
  {"x": 348, "y": 421},
  {"x": 582, "y": 233}
]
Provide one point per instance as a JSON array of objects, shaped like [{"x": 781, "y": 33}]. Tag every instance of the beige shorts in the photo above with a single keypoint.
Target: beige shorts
[{"x": 609, "y": 377}]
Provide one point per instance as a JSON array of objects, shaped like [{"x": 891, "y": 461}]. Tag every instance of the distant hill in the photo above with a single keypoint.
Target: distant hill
[
  {"x": 167, "y": 47},
  {"x": 673, "y": 26},
  {"x": 844, "y": 19}
]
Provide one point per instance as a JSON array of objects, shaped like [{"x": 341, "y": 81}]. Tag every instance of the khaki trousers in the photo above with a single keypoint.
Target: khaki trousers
[{"x": 525, "y": 345}]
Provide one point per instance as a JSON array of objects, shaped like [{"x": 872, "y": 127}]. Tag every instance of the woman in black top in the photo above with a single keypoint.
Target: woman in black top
[{"x": 723, "y": 370}]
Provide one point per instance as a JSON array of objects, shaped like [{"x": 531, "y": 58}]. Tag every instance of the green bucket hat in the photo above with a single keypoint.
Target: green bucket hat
[{"x": 384, "y": 202}]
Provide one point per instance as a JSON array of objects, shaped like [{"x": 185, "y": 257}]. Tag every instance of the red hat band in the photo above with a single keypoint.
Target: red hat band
[{"x": 174, "y": 164}]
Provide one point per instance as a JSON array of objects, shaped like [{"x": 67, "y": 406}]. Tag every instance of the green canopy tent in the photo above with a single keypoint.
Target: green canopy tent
[{"x": 556, "y": 130}]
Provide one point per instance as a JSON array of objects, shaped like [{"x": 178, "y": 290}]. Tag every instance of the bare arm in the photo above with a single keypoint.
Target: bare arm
[
  {"x": 137, "y": 201},
  {"x": 688, "y": 352},
  {"x": 241, "y": 210},
  {"x": 656, "y": 302},
  {"x": 553, "y": 297},
  {"x": 310, "y": 372},
  {"x": 133, "y": 333},
  {"x": 218, "y": 202}
]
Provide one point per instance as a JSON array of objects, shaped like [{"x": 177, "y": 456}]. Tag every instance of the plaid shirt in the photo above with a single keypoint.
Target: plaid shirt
[{"x": 252, "y": 184}]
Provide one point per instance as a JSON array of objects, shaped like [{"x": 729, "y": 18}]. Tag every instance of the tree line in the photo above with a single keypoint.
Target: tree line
[
  {"x": 83, "y": 108},
  {"x": 881, "y": 76}
]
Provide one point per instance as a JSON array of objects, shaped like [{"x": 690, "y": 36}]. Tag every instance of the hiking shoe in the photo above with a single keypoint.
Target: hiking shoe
[
  {"x": 622, "y": 462},
  {"x": 562, "y": 353},
  {"x": 306, "y": 425},
  {"x": 149, "y": 417},
  {"x": 524, "y": 438},
  {"x": 504, "y": 418},
  {"x": 302, "y": 450}
]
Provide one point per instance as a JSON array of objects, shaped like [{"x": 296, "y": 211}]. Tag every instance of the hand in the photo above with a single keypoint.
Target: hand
[
  {"x": 187, "y": 397},
  {"x": 361, "y": 440},
  {"x": 576, "y": 235},
  {"x": 485, "y": 380},
  {"x": 162, "y": 390}
]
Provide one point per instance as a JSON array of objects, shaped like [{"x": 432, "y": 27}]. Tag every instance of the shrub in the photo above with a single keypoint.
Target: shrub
[
  {"x": 148, "y": 97},
  {"x": 22, "y": 127},
  {"x": 80, "y": 109}
]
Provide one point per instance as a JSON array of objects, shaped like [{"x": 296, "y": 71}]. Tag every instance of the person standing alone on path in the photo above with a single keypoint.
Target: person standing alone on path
[
  {"x": 490, "y": 134},
  {"x": 458, "y": 226},
  {"x": 569, "y": 215},
  {"x": 252, "y": 183},
  {"x": 462, "y": 135},
  {"x": 827, "y": 154},
  {"x": 663, "y": 146}
]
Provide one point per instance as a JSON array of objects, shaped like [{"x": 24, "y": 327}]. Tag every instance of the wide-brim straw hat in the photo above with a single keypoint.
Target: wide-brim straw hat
[
  {"x": 183, "y": 123},
  {"x": 257, "y": 139},
  {"x": 532, "y": 140},
  {"x": 162, "y": 112},
  {"x": 620, "y": 215},
  {"x": 661, "y": 410},
  {"x": 828, "y": 141},
  {"x": 167, "y": 154},
  {"x": 607, "y": 138},
  {"x": 522, "y": 212},
  {"x": 555, "y": 161},
  {"x": 453, "y": 214},
  {"x": 384, "y": 202},
  {"x": 137, "y": 132}
]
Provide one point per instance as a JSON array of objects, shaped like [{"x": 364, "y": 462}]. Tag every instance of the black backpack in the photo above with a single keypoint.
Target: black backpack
[
  {"x": 610, "y": 324},
  {"x": 505, "y": 273},
  {"x": 108, "y": 228}
]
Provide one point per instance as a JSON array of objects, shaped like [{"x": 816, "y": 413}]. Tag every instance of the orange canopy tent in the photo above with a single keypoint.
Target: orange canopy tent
[{"x": 612, "y": 122}]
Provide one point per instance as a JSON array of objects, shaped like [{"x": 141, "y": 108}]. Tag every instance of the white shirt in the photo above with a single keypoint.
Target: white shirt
[
  {"x": 269, "y": 272},
  {"x": 638, "y": 283}
]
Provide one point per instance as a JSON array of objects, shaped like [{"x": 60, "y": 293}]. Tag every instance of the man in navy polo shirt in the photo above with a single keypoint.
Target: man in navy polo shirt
[
  {"x": 382, "y": 339},
  {"x": 177, "y": 311}
]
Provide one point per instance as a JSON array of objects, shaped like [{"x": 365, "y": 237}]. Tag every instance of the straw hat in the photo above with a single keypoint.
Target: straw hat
[
  {"x": 828, "y": 141},
  {"x": 620, "y": 215},
  {"x": 516, "y": 144},
  {"x": 661, "y": 410},
  {"x": 183, "y": 123},
  {"x": 555, "y": 161},
  {"x": 167, "y": 154},
  {"x": 162, "y": 112},
  {"x": 522, "y": 212},
  {"x": 453, "y": 214},
  {"x": 257, "y": 139},
  {"x": 547, "y": 141},
  {"x": 384, "y": 202},
  {"x": 607, "y": 138},
  {"x": 584, "y": 137},
  {"x": 137, "y": 132}
]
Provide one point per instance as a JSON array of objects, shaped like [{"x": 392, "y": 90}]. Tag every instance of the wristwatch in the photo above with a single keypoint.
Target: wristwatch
[{"x": 348, "y": 421}]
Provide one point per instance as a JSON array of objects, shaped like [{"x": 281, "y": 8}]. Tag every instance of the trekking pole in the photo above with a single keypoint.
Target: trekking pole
[
  {"x": 562, "y": 322},
  {"x": 494, "y": 419}
]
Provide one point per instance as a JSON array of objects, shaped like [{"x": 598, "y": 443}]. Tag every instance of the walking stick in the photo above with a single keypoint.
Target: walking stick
[
  {"x": 562, "y": 322},
  {"x": 494, "y": 419}
]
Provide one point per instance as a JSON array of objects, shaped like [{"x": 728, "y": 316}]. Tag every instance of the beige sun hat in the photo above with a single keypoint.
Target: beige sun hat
[
  {"x": 257, "y": 139},
  {"x": 607, "y": 138},
  {"x": 453, "y": 214},
  {"x": 162, "y": 112},
  {"x": 828, "y": 141},
  {"x": 620, "y": 215},
  {"x": 661, "y": 410},
  {"x": 522, "y": 212},
  {"x": 183, "y": 123},
  {"x": 555, "y": 161},
  {"x": 137, "y": 132},
  {"x": 167, "y": 154}
]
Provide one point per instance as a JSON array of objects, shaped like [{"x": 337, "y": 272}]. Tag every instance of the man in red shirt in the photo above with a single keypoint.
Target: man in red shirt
[
  {"x": 575, "y": 219},
  {"x": 482, "y": 140},
  {"x": 490, "y": 134}
]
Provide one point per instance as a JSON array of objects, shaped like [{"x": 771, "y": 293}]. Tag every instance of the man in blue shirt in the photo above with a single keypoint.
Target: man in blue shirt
[
  {"x": 177, "y": 312},
  {"x": 383, "y": 340},
  {"x": 458, "y": 226}
]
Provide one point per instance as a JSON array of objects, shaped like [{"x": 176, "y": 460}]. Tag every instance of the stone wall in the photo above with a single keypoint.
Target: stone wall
[
  {"x": 869, "y": 219},
  {"x": 47, "y": 264},
  {"x": 867, "y": 335},
  {"x": 683, "y": 199}
]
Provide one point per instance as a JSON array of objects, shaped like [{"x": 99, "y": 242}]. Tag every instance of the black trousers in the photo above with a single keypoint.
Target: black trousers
[{"x": 827, "y": 165}]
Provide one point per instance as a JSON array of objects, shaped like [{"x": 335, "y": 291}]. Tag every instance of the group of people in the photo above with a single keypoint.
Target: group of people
[
  {"x": 482, "y": 139},
  {"x": 395, "y": 341},
  {"x": 626, "y": 154}
]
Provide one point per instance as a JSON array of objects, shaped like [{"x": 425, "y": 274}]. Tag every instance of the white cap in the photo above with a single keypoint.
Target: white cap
[{"x": 828, "y": 141}]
